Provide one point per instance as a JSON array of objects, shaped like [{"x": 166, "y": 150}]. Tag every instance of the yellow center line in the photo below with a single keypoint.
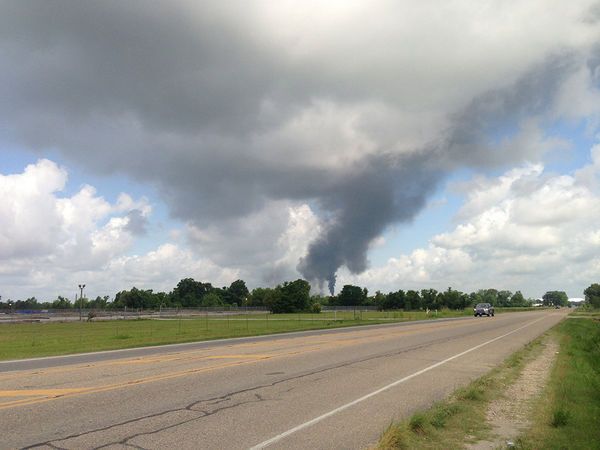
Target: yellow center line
[
  {"x": 199, "y": 355},
  {"x": 39, "y": 392},
  {"x": 53, "y": 394}
]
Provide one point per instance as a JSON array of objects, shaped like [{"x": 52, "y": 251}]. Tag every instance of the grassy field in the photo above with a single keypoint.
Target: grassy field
[
  {"x": 27, "y": 340},
  {"x": 566, "y": 416}
]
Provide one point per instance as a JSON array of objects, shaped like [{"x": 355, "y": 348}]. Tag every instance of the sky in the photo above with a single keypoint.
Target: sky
[{"x": 388, "y": 144}]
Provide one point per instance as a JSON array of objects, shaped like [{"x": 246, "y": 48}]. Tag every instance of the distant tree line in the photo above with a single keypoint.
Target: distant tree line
[
  {"x": 295, "y": 296},
  {"x": 60, "y": 303},
  {"x": 429, "y": 298}
]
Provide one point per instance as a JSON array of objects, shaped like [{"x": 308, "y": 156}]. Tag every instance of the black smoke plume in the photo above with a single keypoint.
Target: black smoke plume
[{"x": 386, "y": 190}]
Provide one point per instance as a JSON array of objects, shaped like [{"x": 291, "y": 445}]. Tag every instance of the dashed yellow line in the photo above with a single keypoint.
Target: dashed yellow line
[
  {"x": 52, "y": 394},
  {"x": 199, "y": 355},
  {"x": 55, "y": 394},
  {"x": 39, "y": 392}
]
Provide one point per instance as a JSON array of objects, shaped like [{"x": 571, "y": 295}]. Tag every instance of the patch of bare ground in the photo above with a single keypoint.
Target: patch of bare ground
[{"x": 509, "y": 415}]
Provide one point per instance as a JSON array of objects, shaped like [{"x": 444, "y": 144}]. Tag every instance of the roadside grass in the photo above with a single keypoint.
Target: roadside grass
[
  {"x": 460, "y": 419},
  {"x": 586, "y": 312},
  {"x": 568, "y": 414},
  {"x": 28, "y": 340}
]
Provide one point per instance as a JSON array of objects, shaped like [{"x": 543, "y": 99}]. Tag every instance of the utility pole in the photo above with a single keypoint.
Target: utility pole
[{"x": 81, "y": 287}]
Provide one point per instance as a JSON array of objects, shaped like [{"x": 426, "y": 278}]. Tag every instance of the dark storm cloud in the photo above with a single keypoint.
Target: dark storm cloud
[
  {"x": 151, "y": 61},
  {"x": 592, "y": 15},
  {"x": 594, "y": 64},
  {"x": 499, "y": 113},
  {"x": 182, "y": 95}
]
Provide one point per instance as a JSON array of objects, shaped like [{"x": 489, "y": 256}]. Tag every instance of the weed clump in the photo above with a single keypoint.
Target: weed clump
[
  {"x": 123, "y": 336},
  {"x": 473, "y": 393},
  {"x": 442, "y": 413},
  {"x": 394, "y": 438},
  {"x": 417, "y": 423},
  {"x": 560, "y": 417}
]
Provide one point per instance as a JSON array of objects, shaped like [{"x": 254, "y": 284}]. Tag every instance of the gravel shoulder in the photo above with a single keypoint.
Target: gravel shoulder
[{"x": 509, "y": 415}]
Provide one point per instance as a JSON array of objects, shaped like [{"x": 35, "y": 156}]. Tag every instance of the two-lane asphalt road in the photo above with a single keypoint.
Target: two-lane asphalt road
[{"x": 324, "y": 389}]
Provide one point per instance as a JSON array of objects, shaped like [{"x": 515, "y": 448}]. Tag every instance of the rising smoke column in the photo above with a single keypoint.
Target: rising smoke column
[
  {"x": 390, "y": 189},
  {"x": 386, "y": 190}
]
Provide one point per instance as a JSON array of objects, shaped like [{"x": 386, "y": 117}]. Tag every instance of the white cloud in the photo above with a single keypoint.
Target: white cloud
[
  {"x": 126, "y": 203},
  {"x": 161, "y": 270},
  {"x": 265, "y": 246},
  {"x": 30, "y": 222},
  {"x": 50, "y": 242},
  {"x": 590, "y": 175},
  {"x": 46, "y": 237}
]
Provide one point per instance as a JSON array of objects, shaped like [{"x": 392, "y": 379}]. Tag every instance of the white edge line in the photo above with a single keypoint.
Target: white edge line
[{"x": 380, "y": 390}]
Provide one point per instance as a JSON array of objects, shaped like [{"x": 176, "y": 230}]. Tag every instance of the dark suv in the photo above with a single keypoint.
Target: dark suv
[{"x": 483, "y": 309}]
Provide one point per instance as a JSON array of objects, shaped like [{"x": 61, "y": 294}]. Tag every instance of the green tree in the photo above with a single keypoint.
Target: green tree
[
  {"x": 517, "y": 299},
  {"x": 395, "y": 300},
  {"x": 189, "y": 292},
  {"x": 504, "y": 298},
  {"x": 592, "y": 295},
  {"x": 412, "y": 299},
  {"x": 430, "y": 298},
  {"x": 211, "y": 299},
  {"x": 489, "y": 296},
  {"x": 293, "y": 297},
  {"x": 555, "y": 298},
  {"x": 237, "y": 293},
  {"x": 352, "y": 295},
  {"x": 162, "y": 299},
  {"x": 99, "y": 302},
  {"x": 379, "y": 300},
  {"x": 317, "y": 302},
  {"x": 273, "y": 298},
  {"x": 136, "y": 298},
  {"x": 61, "y": 303},
  {"x": 30, "y": 303},
  {"x": 475, "y": 297},
  {"x": 258, "y": 296},
  {"x": 454, "y": 299}
]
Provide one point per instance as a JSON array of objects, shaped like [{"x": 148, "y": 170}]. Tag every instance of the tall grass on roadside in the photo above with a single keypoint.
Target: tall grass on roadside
[
  {"x": 461, "y": 418},
  {"x": 568, "y": 415}
]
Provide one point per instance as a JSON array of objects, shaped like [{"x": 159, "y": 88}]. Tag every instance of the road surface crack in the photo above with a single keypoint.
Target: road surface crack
[{"x": 208, "y": 407}]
